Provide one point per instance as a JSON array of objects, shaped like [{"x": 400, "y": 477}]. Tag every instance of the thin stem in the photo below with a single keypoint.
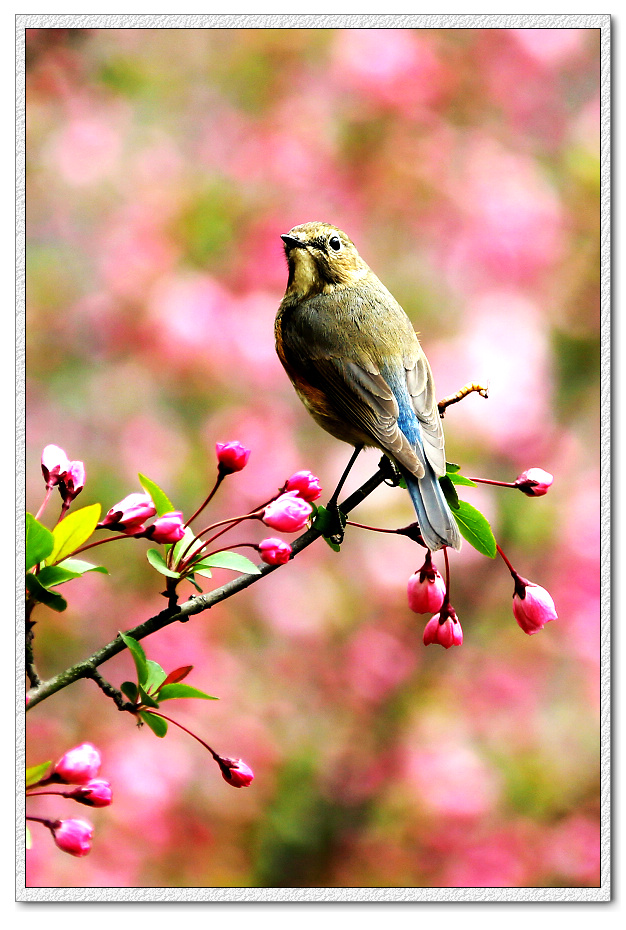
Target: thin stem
[
  {"x": 38, "y": 794},
  {"x": 157, "y": 713},
  {"x": 230, "y": 522},
  {"x": 220, "y": 478},
  {"x": 100, "y": 542},
  {"x": 111, "y": 692},
  {"x": 374, "y": 529},
  {"x": 508, "y": 564},
  {"x": 500, "y": 484},
  {"x": 445, "y": 556},
  {"x": 50, "y": 824},
  {"x": 45, "y": 501}
]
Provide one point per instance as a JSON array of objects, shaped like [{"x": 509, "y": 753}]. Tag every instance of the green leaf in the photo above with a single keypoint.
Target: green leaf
[
  {"x": 475, "y": 529},
  {"x": 139, "y": 656},
  {"x": 160, "y": 499},
  {"x": 451, "y": 468},
  {"x": 41, "y": 594},
  {"x": 29, "y": 839},
  {"x": 146, "y": 698},
  {"x": 51, "y": 575},
  {"x": 449, "y": 492},
  {"x": 202, "y": 568},
  {"x": 35, "y": 773},
  {"x": 326, "y": 524},
  {"x": 39, "y": 541},
  {"x": 460, "y": 479},
  {"x": 156, "y": 675},
  {"x": 182, "y": 691},
  {"x": 189, "y": 539},
  {"x": 157, "y": 724},
  {"x": 73, "y": 531},
  {"x": 232, "y": 560},
  {"x": 130, "y": 689},
  {"x": 191, "y": 579},
  {"x": 81, "y": 567},
  {"x": 156, "y": 560}
]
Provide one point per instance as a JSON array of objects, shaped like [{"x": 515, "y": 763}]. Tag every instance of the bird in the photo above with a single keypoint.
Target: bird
[{"x": 356, "y": 363}]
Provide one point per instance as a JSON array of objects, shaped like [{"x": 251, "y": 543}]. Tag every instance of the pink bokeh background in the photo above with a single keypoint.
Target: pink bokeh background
[{"x": 162, "y": 166}]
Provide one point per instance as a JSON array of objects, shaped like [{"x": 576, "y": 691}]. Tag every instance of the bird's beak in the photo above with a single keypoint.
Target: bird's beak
[{"x": 291, "y": 242}]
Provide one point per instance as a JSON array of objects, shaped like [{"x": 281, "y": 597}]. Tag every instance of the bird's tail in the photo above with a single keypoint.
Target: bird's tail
[{"x": 437, "y": 525}]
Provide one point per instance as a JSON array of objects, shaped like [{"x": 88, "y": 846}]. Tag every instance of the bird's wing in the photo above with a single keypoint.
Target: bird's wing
[
  {"x": 361, "y": 394},
  {"x": 421, "y": 389}
]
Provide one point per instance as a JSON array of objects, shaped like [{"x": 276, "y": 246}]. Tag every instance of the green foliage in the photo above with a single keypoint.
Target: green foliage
[
  {"x": 35, "y": 773},
  {"x": 155, "y": 558},
  {"x": 160, "y": 499},
  {"x": 157, "y": 724},
  {"x": 459, "y": 479},
  {"x": 177, "y": 690},
  {"x": 39, "y": 541},
  {"x": 43, "y": 595},
  {"x": 232, "y": 560},
  {"x": 130, "y": 689},
  {"x": 475, "y": 528},
  {"x": 325, "y": 522},
  {"x": 449, "y": 492},
  {"x": 138, "y": 655},
  {"x": 73, "y": 532}
]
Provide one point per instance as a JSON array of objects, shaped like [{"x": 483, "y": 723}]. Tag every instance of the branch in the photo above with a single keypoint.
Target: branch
[{"x": 195, "y": 605}]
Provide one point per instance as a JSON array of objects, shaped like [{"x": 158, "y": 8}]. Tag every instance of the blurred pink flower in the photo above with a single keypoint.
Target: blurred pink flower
[
  {"x": 534, "y": 482},
  {"x": 231, "y": 457},
  {"x": 74, "y": 836},
  {"x": 535, "y": 609},
  {"x": 288, "y": 513},
  {"x": 573, "y": 850},
  {"x": 550, "y": 47},
  {"x": 78, "y": 765},
  {"x": 274, "y": 551},
  {"x": 131, "y": 512},
  {"x": 54, "y": 464},
  {"x": 135, "y": 252},
  {"x": 305, "y": 484},
  {"x": 87, "y": 149},
  {"x": 168, "y": 528},
  {"x": 450, "y": 779},
  {"x": 376, "y": 662}
]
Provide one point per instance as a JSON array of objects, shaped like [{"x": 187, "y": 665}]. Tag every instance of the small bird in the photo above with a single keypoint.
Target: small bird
[{"x": 356, "y": 364}]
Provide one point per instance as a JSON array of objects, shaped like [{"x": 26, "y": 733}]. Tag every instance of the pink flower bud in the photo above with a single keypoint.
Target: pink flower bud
[
  {"x": 534, "y": 482},
  {"x": 237, "y": 773},
  {"x": 72, "y": 482},
  {"x": 444, "y": 628},
  {"x": 533, "y": 607},
  {"x": 167, "y": 529},
  {"x": 288, "y": 513},
  {"x": 73, "y": 836},
  {"x": 77, "y": 766},
  {"x": 274, "y": 551},
  {"x": 96, "y": 793},
  {"x": 306, "y": 484},
  {"x": 231, "y": 457},
  {"x": 130, "y": 513},
  {"x": 426, "y": 589},
  {"x": 54, "y": 464}
]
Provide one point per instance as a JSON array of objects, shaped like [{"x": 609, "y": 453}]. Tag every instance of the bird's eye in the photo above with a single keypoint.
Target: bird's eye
[{"x": 335, "y": 243}]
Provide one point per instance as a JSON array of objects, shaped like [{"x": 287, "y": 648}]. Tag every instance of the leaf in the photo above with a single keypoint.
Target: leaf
[
  {"x": 160, "y": 499},
  {"x": 41, "y": 594},
  {"x": 73, "y": 531},
  {"x": 157, "y": 724},
  {"x": 156, "y": 675},
  {"x": 191, "y": 579},
  {"x": 183, "y": 691},
  {"x": 326, "y": 524},
  {"x": 29, "y": 839},
  {"x": 52, "y": 575},
  {"x": 202, "y": 568},
  {"x": 130, "y": 689},
  {"x": 39, "y": 541},
  {"x": 139, "y": 657},
  {"x": 449, "y": 492},
  {"x": 451, "y": 468},
  {"x": 178, "y": 674},
  {"x": 146, "y": 698},
  {"x": 189, "y": 539},
  {"x": 157, "y": 561},
  {"x": 81, "y": 567},
  {"x": 35, "y": 773},
  {"x": 475, "y": 529},
  {"x": 232, "y": 560},
  {"x": 460, "y": 479}
]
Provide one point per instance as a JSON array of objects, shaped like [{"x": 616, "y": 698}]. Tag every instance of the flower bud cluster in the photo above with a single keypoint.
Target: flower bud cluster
[
  {"x": 130, "y": 514},
  {"x": 58, "y": 471}
]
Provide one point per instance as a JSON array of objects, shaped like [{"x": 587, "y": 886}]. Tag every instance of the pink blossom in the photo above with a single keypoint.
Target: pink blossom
[
  {"x": 288, "y": 513},
  {"x": 306, "y": 484},
  {"x": 73, "y": 836},
  {"x": 231, "y": 457},
  {"x": 78, "y": 765},
  {"x": 444, "y": 628},
  {"x": 274, "y": 551},
  {"x": 130, "y": 513},
  {"x": 426, "y": 589},
  {"x": 72, "y": 481},
  {"x": 95, "y": 793},
  {"x": 237, "y": 773},
  {"x": 534, "y": 482},
  {"x": 167, "y": 529},
  {"x": 533, "y": 607},
  {"x": 54, "y": 464}
]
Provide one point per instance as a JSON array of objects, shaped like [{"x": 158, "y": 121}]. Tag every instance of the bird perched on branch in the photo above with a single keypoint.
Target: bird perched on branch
[{"x": 355, "y": 361}]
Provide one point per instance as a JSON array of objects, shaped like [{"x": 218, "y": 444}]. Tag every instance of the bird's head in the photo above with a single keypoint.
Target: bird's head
[{"x": 321, "y": 258}]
